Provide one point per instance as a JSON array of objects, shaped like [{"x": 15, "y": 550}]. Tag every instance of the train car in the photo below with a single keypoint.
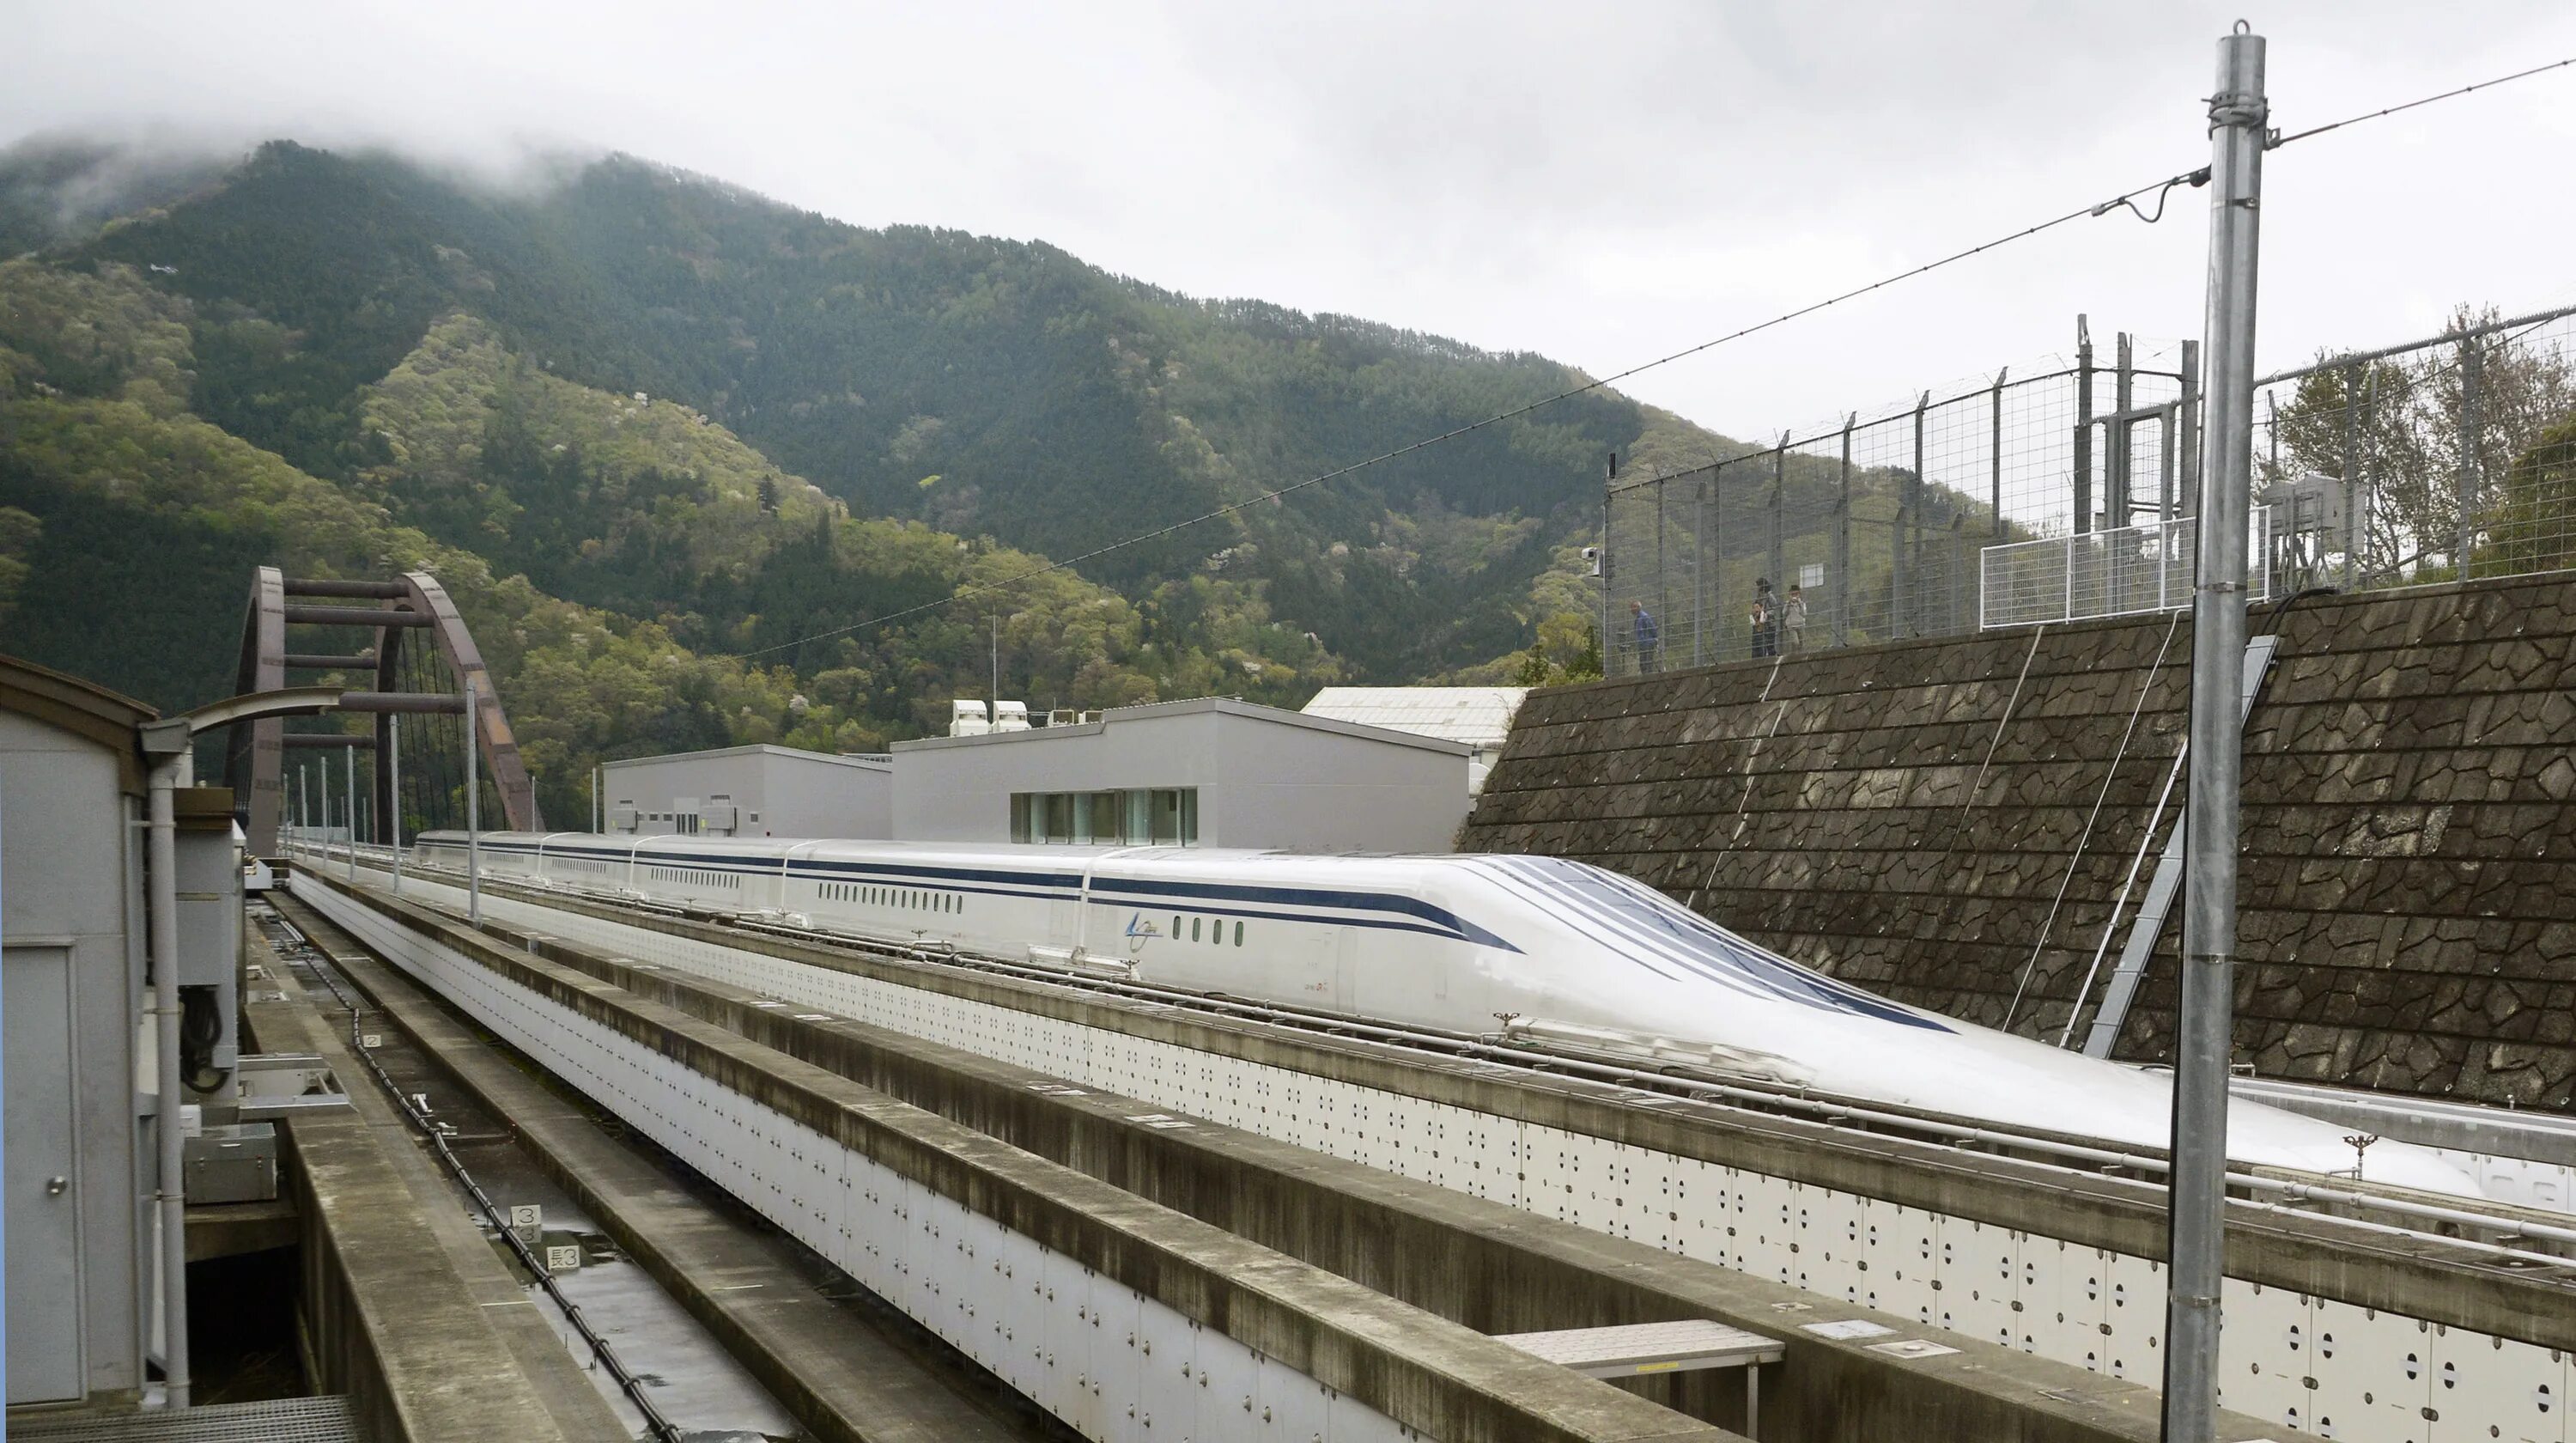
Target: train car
[{"x": 1536, "y": 949}]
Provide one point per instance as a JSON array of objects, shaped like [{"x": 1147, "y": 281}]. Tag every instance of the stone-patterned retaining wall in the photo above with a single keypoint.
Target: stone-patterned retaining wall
[{"x": 1907, "y": 816}]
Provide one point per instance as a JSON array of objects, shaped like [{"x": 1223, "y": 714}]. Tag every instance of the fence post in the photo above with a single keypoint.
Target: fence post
[
  {"x": 2187, "y": 441},
  {"x": 2115, "y": 466},
  {"x": 2351, "y": 469},
  {"x": 2204, "y": 1032},
  {"x": 1663, "y": 586},
  {"x": 2369, "y": 419},
  {"x": 1703, "y": 530},
  {"x": 2083, "y": 477},
  {"x": 1601, "y": 623},
  {"x": 1779, "y": 521},
  {"x": 1842, "y": 542},
  {"x": 1995, "y": 461},
  {"x": 2472, "y": 366},
  {"x": 1908, "y": 536}
]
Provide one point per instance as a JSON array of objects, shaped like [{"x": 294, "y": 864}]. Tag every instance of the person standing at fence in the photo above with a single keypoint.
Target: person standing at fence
[
  {"x": 1793, "y": 617},
  {"x": 1648, "y": 639},
  {"x": 1765, "y": 618}
]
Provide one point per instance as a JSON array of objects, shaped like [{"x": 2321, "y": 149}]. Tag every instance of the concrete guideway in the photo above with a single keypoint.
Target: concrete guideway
[
  {"x": 850, "y": 1171},
  {"x": 1482, "y": 1263},
  {"x": 842, "y": 1379},
  {"x": 2336, "y": 1323},
  {"x": 426, "y": 1331}
]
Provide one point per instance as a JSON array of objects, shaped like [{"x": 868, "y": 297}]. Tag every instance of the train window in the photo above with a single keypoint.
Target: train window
[
  {"x": 1238, "y": 934},
  {"x": 1176, "y": 926},
  {"x": 1194, "y": 929}
]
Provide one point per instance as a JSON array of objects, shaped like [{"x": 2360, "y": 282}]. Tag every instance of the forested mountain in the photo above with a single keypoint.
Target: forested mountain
[{"x": 641, "y": 419}]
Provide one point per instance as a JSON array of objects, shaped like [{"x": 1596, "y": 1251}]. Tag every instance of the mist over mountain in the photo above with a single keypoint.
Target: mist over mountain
[{"x": 667, "y": 403}]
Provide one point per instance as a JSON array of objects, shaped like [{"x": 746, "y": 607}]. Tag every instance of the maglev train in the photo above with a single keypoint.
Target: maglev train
[{"x": 1534, "y": 949}]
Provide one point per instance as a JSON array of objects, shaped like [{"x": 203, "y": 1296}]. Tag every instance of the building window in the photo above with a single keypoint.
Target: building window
[{"x": 1155, "y": 816}]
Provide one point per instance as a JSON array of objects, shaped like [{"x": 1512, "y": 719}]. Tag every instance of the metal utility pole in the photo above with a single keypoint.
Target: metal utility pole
[
  {"x": 473, "y": 810},
  {"x": 2237, "y": 116}
]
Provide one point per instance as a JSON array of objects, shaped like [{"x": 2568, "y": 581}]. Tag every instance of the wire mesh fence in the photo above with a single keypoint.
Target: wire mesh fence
[
  {"x": 2443, "y": 459},
  {"x": 1873, "y": 529},
  {"x": 2064, "y": 490}
]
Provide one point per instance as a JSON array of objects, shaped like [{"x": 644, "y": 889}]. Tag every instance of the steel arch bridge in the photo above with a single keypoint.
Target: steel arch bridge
[{"x": 255, "y": 757}]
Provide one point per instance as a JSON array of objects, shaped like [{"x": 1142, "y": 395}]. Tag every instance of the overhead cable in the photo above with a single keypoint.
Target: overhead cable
[
  {"x": 2126, "y": 199},
  {"x": 981, "y": 588},
  {"x": 2279, "y": 141}
]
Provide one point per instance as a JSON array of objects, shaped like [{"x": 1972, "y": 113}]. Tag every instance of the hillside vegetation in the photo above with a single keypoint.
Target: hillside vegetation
[{"x": 679, "y": 450}]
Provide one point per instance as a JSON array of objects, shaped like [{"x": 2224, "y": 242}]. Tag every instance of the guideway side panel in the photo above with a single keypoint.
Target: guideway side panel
[
  {"x": 1105, "y": 1347},
  {"x": 2057, "y": 1298}
]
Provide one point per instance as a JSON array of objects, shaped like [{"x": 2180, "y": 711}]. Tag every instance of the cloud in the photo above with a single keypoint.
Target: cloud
[{"x": 1602, "y": 185}]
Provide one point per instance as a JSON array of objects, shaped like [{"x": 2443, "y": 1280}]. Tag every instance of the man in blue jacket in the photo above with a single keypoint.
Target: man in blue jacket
[{"x": 1649, "y": 638}]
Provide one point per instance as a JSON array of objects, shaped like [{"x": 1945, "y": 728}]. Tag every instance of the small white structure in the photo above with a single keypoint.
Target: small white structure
[
  {"x": 1010, "y": 716},
  {"x": 1213, "y": 772},
  {"x": 1480, "y": 716},
  {"x": 751, "y": 791},
  {"x": 967, "y": 718}
]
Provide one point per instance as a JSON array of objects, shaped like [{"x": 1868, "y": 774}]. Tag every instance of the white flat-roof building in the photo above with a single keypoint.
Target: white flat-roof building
[
  {"x": 1213, "y": 772},
  {"x": 751, "y": 791},
  {"x": 1480, "y": 716}
]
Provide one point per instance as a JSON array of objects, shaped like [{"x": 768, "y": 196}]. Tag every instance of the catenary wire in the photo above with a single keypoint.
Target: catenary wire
[
  {"x": 1231, "y": 508},
  {"x": 2126, "y": 199},
  {"x": 2455, "y": 94}
]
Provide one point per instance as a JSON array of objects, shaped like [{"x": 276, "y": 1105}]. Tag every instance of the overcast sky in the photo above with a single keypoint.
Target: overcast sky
[{"x": 1603, "y": 184}]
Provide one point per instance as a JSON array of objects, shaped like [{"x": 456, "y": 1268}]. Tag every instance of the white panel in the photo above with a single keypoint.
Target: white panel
[
  {"x": 2075, "y": 1304},
  {"x": 1293, "y": 1408},
  {"x": 2478, "y": 1383},
  {"x": 2264, "y": 1352},
  {"x": 1110, "y": 1363},
  {"x": 1229, "y": 1381},
  {"x": 1167, "y": 1391}
]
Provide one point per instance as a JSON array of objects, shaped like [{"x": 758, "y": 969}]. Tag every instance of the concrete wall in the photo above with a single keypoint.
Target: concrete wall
[
  {"x": 70, "y": 888},
  {"x": 795, "y": 793},
  {"x": 1265, "y": 778},
  {"x": 1905, "y": 816}
]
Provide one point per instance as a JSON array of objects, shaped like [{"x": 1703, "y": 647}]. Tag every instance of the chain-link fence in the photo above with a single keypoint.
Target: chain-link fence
[
  {"x": 1873, "y": 529},
  {"x": 2065, "y": 491},
  {"x": 2432, "y": 461}
]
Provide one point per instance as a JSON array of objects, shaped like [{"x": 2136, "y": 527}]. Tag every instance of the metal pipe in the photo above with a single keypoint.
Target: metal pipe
[
  {"x": 305, "y": 661},
  {"x": 474, "y": 811},
  {"x": 2083, "y": 476},
  {"x": 1995, "y": 457},
  {"x": 2203, "y": 1042},
  {"x": 351, "y": 616},
  {"x": 1779, "y": 534},
  {"x": 378, "y": 590},
  {"x": 2472, "y": 365},
  {"x": 398, "y": 702},
  {"x": 2351, "y": 474},
  {"x": 2363, "y": 358},
  {"x": 1907, "y": 539},
  {"x": 2187, "y": 436},
  {"x": 393, "y": 813},
  {"x": 1842, "y": 541},
  {"x": 169, "y": 1194},
  {"x": 352, "y": 794}
]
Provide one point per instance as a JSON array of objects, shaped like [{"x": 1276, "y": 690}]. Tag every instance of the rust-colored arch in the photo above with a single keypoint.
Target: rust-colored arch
[{"x": 416, "y": 602}]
